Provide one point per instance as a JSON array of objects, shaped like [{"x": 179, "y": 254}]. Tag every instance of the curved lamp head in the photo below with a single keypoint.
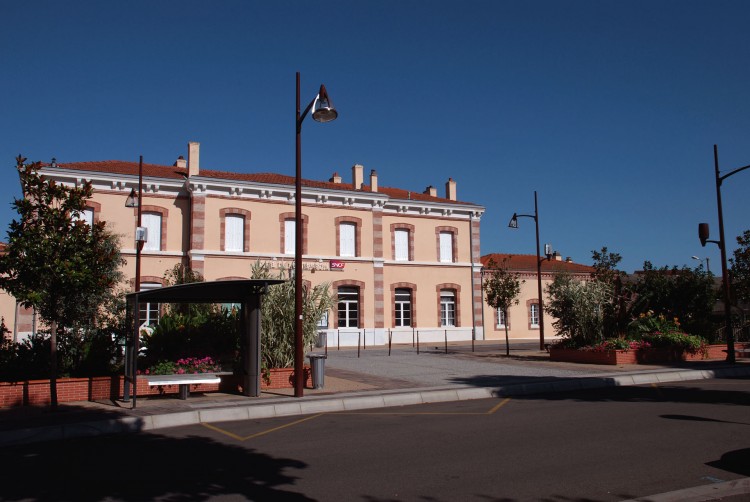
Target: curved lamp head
[
  {"x": 322, "y": 109},
  {"x": 703, "y": 233},
  {"x": 513, "y": 221},
  {"x": 132, "y": 200}
]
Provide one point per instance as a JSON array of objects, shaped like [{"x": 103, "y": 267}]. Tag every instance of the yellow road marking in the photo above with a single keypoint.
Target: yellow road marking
[
  {"x": 311, "y": 417},
  {"x": 498, "y": 406},
  {"x": 262, "y": 433}
]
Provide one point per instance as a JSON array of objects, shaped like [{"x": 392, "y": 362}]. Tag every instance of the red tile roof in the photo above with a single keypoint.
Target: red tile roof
[
  {"x": 158, "y": 171},
  {"x": 528, "y": 262}
]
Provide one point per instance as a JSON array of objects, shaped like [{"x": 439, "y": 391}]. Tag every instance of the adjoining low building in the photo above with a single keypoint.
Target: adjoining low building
[
  {"x": 523, "y": 319},
  {"x": 397, "y": 260}
]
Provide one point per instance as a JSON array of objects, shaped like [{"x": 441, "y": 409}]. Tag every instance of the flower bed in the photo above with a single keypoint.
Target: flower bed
[
  {"x": 36, "y": 392},
  {"x": 645, "y": 355}
]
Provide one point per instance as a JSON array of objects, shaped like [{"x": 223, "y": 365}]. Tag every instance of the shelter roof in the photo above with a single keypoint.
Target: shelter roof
[{"x": 231, "y": 291}]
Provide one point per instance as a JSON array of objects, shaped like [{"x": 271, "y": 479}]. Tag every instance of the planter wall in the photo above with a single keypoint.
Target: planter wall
[
  {"x": 641, "y": 356},
  {"x": 36, "y": 392}
]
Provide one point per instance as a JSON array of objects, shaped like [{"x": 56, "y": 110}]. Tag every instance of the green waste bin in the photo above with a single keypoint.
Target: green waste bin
[{"x": 318, "y": 367}]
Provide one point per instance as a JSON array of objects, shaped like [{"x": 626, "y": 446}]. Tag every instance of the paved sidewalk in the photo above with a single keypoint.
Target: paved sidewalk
[{"x": 359, "y": 379}]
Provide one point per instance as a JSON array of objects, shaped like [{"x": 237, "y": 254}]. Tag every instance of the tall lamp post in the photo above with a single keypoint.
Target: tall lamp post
[
  {"x": 703, "y": 234},
  {"x": 134, "y": 201},
  {"x": 322, "y": 111},
  {"x": 708, "y": 270},
  {"x": 548, "y": 251}
]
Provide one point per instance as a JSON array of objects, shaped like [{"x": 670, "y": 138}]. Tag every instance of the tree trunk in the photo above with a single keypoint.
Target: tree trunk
[{"x": 53, "y": 365}]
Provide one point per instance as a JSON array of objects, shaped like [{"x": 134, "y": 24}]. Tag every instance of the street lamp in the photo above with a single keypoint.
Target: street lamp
[
  {"x": 703, "y": 234},
  {"x": 708, "y": 270},
  {"x": 134, "y": 201},
  {"x": 322, "y": 111},
  {"x": 548, "y": 252}
]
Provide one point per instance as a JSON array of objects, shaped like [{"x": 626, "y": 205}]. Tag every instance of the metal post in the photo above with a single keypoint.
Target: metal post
[
  {"x": 724, "y": 271},
  {"x": 299, "y": 361},
  {"x": 390, "y": 340},
  {"x": 539, "y": 275}
]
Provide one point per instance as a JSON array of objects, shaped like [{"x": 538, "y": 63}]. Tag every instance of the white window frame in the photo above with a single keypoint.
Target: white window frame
[
  {"x": 446, "y": 247},
  {"x": 348, "y": 307},
  {"x": 401, "y": 244},
  {"x": 347, "y": 239},
  {"x": 153, "y": 222},
  {"x": 234, "y": 233},
  {"x": 447, "y": 308},
  {"x": 501, "y": 320},
  {"x": 534, "y": 315},
  {"x": 289, "y": 236},
  {"x": 150, "y": 312},
  {"x": 403, "y": 304},
  {"x": 87, "y": 216}
]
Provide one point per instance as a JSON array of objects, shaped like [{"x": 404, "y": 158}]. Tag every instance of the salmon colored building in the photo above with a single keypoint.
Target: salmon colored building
[
  {"x": 397, "y": 260},
  {"x": 523, "y": 320}
]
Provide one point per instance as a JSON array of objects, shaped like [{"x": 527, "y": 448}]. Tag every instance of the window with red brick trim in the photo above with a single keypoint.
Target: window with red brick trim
[
  {"x": 533, "y": 309},
  {"x": 447, "y": 244},
  {"x": 235, "y": 229},
  {"x": 402, "y": 241},
  {"x": 154, "y": 218},
  {"x": 287, "y": 233},
  {"x": 348, "y": 236}
]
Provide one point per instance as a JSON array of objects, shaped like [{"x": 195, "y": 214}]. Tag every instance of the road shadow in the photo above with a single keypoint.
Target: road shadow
[
  {"x": 145, "y": 466},
  {"x": 600, "y": 389},
  {"x": 737, "y": 461}
]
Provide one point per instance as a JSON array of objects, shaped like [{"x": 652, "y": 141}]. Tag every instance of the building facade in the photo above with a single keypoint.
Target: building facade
[
  {"x": 397, "y": 261},
  {"x": 523, "y": 319}
]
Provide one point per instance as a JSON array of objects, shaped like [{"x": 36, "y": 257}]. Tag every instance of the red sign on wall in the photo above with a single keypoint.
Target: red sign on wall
[{"x": 337, "y": 265}]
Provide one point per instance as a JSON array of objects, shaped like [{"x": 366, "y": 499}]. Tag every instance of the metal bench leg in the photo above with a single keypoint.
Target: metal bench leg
[{"x": 184, "y": 390}]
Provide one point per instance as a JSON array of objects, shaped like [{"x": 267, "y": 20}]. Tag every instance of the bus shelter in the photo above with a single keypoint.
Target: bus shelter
[{"x": 246, "y": 292}]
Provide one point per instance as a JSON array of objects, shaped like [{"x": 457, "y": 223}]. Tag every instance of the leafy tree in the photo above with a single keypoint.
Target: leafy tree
[
  {"x": 277, "y": 316},
  {"x": 682, "y": 293},
  {"x": 616, "y": 313},
  {"x": 741, "y": 268},
  {"x": 578, "y": 308},
  {"x": 501, "y": 290},
  {"x": 55, "y": 262}
]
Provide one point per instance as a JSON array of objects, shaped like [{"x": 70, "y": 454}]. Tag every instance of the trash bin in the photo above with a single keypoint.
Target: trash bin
[
  {"x": 322, "y": 339},
  {"x": 318, "y": 366}
]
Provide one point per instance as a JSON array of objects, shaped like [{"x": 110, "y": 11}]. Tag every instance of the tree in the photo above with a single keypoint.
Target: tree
[
  {"x": 578, "y": 308},
  {"x": 501, "y": 289},
  {"x": 683, "y": 293},
  {"x": 741, "y": 268},
  {"x": 277, "y": 315},
  {"x": 616, "y": 313},
  {"x": 55, "y": 262}
]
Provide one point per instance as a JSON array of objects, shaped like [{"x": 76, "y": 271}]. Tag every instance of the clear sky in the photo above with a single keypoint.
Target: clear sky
[{"x": 608, "y": 109}]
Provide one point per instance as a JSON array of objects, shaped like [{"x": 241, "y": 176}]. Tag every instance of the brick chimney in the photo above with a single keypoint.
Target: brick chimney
[
  {"x": 431, "y": 191},
  {"x": 194, "y": 149},
  {"x": 358, "y": 176},
  {"x": 335, "y": 178},
  {"x": 180, "y": 162},
  {"x": 450, "y": 189},
  {"x": 374, "y": 180}
]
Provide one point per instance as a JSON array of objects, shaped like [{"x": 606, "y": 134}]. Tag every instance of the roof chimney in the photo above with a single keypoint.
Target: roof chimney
[
  {"x": 374, "y": 180},
  {"x": 450, "y": 189},
  {"x": 431, "y": 191},
  {"x": 358, "y": 176},
  {"x": 194, "y": 149},
  {"x": 180, "y": 162},
  {"x": 335, "y": 178}
]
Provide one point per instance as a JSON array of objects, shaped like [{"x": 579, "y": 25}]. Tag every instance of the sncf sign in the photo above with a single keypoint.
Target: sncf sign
[{"x": 337, "y": 265}]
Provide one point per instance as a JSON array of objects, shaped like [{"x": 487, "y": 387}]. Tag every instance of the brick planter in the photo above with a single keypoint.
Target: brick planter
[
  {"x": 641, "y": 356},
  {"x": 36, "y": 392}
]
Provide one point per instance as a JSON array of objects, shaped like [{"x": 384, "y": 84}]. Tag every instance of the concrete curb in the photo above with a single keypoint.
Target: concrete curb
[{"x": 350, "y": 402}]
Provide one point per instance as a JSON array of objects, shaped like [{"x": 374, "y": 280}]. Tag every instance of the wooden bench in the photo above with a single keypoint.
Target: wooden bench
[{"x": 184, "y": 381}]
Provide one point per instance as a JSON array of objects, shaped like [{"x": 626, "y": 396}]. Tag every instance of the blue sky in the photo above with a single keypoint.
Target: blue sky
[{"x": 608, "y": 109}]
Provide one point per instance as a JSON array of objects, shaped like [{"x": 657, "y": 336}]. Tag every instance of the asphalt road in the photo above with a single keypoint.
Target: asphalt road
[{"x": 600, "y": 445}]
